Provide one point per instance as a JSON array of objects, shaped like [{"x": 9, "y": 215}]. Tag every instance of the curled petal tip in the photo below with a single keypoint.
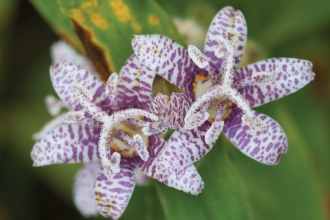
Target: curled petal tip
[
  {"x": 112, "y": 168},
  {"x": 195, "y": 120},
  {"x": 141, "y": 148}
]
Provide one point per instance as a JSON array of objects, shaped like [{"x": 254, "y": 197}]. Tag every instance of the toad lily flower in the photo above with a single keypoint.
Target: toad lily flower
[
  {"x": 118, "y": 150},
  {"x": 97, "y": 134},
  {"x": 232, "y": 91}
]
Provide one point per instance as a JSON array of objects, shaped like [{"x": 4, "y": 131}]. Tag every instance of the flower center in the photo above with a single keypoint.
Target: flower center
[
  {"x": 124, "y": 148},
  {"x": 212, "y": 104}
]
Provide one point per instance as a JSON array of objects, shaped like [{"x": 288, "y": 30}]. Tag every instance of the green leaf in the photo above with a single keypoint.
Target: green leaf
[
  {"x": 289, "y": 190},
  {"x": 58, "y": 21},
  {"x": 106, "y": 28},
  {"x": 222, "y": 198},
  {"x": 294, "y": 21}
]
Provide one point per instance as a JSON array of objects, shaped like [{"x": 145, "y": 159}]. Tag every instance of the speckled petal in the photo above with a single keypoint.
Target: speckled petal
[
  {"x": 158, "y": 104},
  {"x": 62, "y": 51},
  {"x": 64, "y": 74},
  {"x": 231, "y": 25},
  {"x": 135, "y": 85},
  {"x": 156, "y": 144},
  {"x": 71, "y": 143},
  {"x": 177, "y": 108},
  {"x": 83, "y": 189},
  {"x": 291, "y": 75},
  {"x": 111, "y": 91},
  {"x": 175, "y": 162},
  {"x": 113, "y": 195},
  {"x": 169, "y": 59},
  {"x": 266, "y": 146}
]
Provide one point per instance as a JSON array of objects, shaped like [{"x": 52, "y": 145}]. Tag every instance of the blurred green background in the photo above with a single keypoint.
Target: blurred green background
[{"x": 236, "y": 187}]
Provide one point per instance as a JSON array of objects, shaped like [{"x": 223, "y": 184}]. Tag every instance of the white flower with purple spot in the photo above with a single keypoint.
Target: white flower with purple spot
[
  {"x": 225, "y": 95},
  {"x": 110, "y": 128}
]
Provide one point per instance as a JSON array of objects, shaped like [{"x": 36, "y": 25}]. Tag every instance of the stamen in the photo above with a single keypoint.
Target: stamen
[
  {"x": 199, "y": 59},
  {"x": 155, "y": 128},
  {"x": 214, "y": 131},
  {"x": 195, "y": 120},
  {"x": 111, "y": 91},
  {"x": 82, "y": 92},
  {"x": 123, "y": 115},
  {"x": 74, "y": 117},
  {"x": 122, "y": 135},
  {"x": 220, "y": 91},
  {"x": 140, "y": 147},
  {"x": 111, "y": 167},
  {"x": 197, "y": 56},
  {"x": 85, "y": 97}
]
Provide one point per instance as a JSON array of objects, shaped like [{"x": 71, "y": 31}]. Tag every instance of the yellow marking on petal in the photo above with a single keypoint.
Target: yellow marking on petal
[
  {"x": 99, "y": 21},
  {"x": 230, "y": 33},
  {"x": 121, "y": 10},
  {"x": 138, "y": 75},
  {"x": 77, "y": 14},
  {"x": 199, "y": 78},
  {"x": 136, "y": 26},
  {"x": 98, "y": 197},
  {"x": 153, "y": 19}
]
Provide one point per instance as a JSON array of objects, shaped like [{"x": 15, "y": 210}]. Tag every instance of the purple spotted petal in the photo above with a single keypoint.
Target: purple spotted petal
[
  {"x": 266, "y": 146},
  {"x": 64, "y": 74},
  {"x": 169, "y": 59},
  {"x": 291, "y": 74},
  {"x": 156, "y": 144},
  {"x": 62, "y": 51},
  {"x": 83, "y": 189},
  {"x": 231, "y": 25},
  {"x": 135, "y": 85},
  {"x": 186, "y": 179},
  {"x": 175, "y": 162},
  {"x": 112, "y": 196},
  {"x": 69, "y": 143},
  {"x": 177, "y": 108},
  {"x": 158, "y": 104}
]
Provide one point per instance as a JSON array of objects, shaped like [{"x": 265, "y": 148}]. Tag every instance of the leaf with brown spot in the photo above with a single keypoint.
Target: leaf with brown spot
[{"x": 106, "y": 28}]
